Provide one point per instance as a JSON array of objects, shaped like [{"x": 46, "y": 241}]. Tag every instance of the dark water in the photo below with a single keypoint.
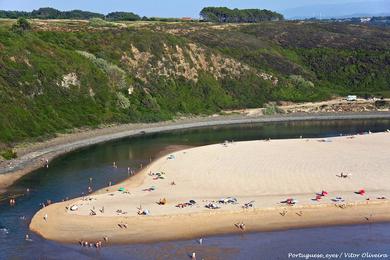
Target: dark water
[{"x": 69, "y": 175}]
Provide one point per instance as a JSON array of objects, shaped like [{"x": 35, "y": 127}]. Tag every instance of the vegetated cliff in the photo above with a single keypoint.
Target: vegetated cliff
[{"x": 66, "y": 74}]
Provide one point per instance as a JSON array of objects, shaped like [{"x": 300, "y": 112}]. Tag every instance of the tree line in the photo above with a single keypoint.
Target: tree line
[
  {"x": 226, "y": 15},
  {"x": 208, "y": 14},
  {"x": 51, "y": 13}
]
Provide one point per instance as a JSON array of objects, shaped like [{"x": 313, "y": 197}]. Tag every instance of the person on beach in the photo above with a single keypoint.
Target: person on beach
[
  {"x": 45, "y": 217},
  {"x": 114, "y": 165},
  {"x": 242, "y": 226},
  {"x": 27, "y": 238}
]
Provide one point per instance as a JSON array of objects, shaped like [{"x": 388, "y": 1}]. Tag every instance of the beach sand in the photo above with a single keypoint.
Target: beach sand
[{"x": 266, "y": 172}]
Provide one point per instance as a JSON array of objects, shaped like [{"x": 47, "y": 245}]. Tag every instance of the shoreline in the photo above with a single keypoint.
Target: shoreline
[
  {"x": 34, "y": 155},
  {"x": 152, "y": 229},
  {"x": 296, "y": 168}
]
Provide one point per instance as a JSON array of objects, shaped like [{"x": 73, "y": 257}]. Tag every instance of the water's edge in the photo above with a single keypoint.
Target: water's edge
[{"x": 33, "y": 160}]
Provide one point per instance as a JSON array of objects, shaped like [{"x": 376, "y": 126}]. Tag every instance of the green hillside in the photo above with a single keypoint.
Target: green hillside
[{"x": 60, "y": 75}]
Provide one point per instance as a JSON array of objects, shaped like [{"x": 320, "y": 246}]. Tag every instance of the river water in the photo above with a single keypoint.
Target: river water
[{"x": 68, "y": 176}]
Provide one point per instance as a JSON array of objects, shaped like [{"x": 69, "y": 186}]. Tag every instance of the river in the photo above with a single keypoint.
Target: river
[{"x": 68, "y": 176}]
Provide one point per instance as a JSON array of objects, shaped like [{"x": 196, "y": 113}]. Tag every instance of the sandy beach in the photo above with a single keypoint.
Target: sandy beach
[
  {"x": 32, "y": 156},
  {"x": 321, "y": 177}
]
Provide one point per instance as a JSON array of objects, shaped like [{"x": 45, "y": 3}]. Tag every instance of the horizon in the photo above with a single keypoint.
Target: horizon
[{"x": 191, "y": 8}]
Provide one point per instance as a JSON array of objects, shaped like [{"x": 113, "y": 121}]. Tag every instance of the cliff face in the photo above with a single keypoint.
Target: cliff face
[{"x": 66, "y": 74}]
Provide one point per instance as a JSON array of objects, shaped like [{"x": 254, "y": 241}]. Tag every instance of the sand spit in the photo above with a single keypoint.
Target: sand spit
[{"x": 246, "y": 186}]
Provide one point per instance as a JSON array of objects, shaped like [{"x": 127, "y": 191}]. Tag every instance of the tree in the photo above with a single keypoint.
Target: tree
[
  {"x": 226, "y": 15},
  {"x": 21, "y": 25},
  {"x": 123, "y": 16}
]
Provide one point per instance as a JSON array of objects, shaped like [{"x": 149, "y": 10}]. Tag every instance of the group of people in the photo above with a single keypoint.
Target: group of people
[
  {"x": 240, "y": 225},
  {"x": 45, "y": 162},
  {"x": 97, "y": 244},
  {"x": 122, "y": 225},
  {"x": 12, "y": 201}
]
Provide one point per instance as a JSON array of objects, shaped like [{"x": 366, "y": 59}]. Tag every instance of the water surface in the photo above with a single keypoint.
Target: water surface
[{"x": 68, "y": 176}]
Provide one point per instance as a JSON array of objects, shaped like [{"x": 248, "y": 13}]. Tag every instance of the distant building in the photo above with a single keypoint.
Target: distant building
[
  {"x": 351, "y": 98},
  {"x": 186, "y": 19},
  {"x": 365, "y": 20}
]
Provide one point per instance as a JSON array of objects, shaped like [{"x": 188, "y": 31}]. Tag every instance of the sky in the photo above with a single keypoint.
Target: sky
[{"x": 191, "y": 8}]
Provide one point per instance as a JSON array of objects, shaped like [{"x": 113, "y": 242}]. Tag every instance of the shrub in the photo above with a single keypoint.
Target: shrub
[
  {"x": 8, "y": 154},
  {"x": 21, "y": 25}
]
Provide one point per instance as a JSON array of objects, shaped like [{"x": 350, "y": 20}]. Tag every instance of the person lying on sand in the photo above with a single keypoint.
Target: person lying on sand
[
  {"x": 343, "y": 175},
  {"x": 248, "y": 205},
  {"x": 283, "y": 213},
  {"x": 150, "y": 189},
  {"x": 290, "y": 201},
  {"x": 162, "y": 201}
]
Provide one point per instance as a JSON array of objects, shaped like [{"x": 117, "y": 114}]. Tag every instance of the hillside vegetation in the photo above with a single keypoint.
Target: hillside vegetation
[
  {"x": 58, "y": 75},
  {"x": 50, "y": 13},
  {"x": 226, "y": 15}
]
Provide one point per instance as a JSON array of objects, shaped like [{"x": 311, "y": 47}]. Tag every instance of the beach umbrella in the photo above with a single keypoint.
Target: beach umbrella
[{"x": 121, "y": 189}]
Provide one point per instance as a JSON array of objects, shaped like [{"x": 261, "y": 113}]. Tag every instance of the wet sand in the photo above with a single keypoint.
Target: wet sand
[{"x": 267, "y": 172}]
